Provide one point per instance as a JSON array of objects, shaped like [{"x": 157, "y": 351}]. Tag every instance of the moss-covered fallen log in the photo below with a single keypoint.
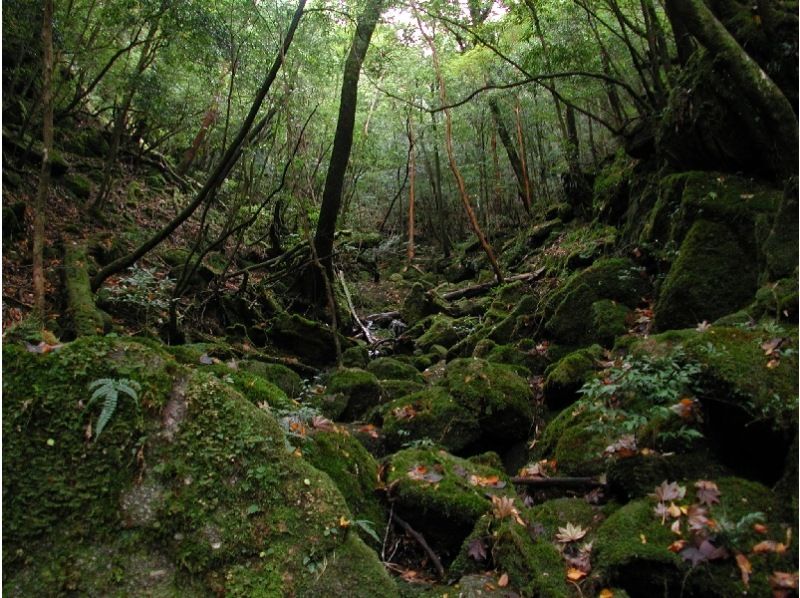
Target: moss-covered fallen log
[{"x": 86, "y": 318}]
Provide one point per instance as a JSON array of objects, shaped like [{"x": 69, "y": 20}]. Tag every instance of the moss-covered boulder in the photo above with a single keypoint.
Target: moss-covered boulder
[
  {"x": 564, "y": 378},
  {"x": 281, "y": 376},
  {"x": 254, "y": 388},
  {"x": 394, "y": 389},
  {"x": 309, "y": 340},
  {"x": 431, "y": 414},
  {"x": 633, "y": 545},
  {"x": 443, "y": 494},
  {"x": 388, "y": 368},
  {"x": 189, "y": 478},
  {"x": 569, "y": 314},
  {"x": 352, "y": 469},
  {"x": 499, "y": 397},
  {"x": 444, "y": 331},
  {"x": 360, "y": 389},
  {"x": 713, "y": 276},
  {"x": 355, "y": 357},
  {"x": 571, "y": 441},
  {"x": 416, "y": 305}
]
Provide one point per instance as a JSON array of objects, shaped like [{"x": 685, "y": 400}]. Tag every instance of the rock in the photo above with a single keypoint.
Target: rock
[
  {"x": 231, "y": 491},
  {"x": 445, "y": 504},
  {"x": 279, "y": 375},
  {"x": 416, "y": 305},
  {"x": 388, "y": 368},
  {"x": 564, "y": 378},
  {"x": 394, "y": 389},
  {"x": 609, "y": 320},
  {"x": 499, "y": 397},
  {"x": 713, "y": 276},
  {"x": 443, "y": 330},
  {"x": 568, "y": 313},
  {"x": 256, "y": 389},
  {"x": 310, "y": 340},
  {"x": 355, "y": 357},
  {"x": 360, "y": 389}
]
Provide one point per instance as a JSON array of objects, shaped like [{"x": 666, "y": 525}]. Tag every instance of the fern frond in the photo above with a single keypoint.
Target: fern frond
[{"x": 105, "y": 415}]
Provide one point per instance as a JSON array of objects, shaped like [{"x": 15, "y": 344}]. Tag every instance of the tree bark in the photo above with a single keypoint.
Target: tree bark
[
  {"x": 44, "y": 176},
  {"x": 220, "y": 173},
  {"x": 773, "y": 117},
  {"x": 411, "y": 191},
  {"x": 511, "y": 152},
  {"x": 342, "y": 143}
]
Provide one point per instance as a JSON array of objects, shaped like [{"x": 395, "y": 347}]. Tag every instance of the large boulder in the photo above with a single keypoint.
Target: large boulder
[
  {"x": 188, "y": 490},
  {"x": 359, "y": 389}
]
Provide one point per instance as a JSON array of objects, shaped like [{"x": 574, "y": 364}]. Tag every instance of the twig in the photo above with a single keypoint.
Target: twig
[
  {"x": 480, "y": 289},
  {"x": 421, "y": 541},
  {"x": 367, "y": 336},
  {"x": 386, "y": 533}
]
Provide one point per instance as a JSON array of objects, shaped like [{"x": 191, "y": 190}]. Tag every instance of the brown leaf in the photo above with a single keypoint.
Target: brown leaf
[
  {"x": 771, "y": 346},
  {"x": 421, "y": 473},
  {"x": 491, "y": 481},
  {"x": 477, "y": 549},
  {"x": 319, "y": 422},
  {"x": 667, "y": 491},
  {"x": 767, "y": 546},
  {"x": 773, "y": 363},
  {"x": 503, "y": 581},
  {"x": 783, "y": 581},
  {"x": 404, "y": 412},
  {"x": 370, "y": 430},
  {"x": 675, "y": 528},
  {"x": 760, "y": 528},
  {"x": 744, "y": 567},
  {"x": 625, "y": 446},
  {"x": 677, "y": 546},
  {"x": 707, "y": 492},
  {"x": 503, "y": 506},
  {"x": 698, "y": 518}
]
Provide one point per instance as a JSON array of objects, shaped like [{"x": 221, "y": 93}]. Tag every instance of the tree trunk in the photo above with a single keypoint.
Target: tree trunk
[
  {"x": 44, "y": 176},
  {"x": 220, "y": 173},
  {"x": 208, "y": 120},
  {"x": 411, "y": 191},
  {"x": 342, "y": 143},
  {"x": 511, "y": 152},
  {"x": 773, "y": 119}
]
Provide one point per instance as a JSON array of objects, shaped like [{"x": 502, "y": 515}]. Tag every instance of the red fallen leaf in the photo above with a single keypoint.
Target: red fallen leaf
[
  {"x": 477, "y": 550},
  {"x": 370, "y": 430},
  {"x": 760, "y": 528},
  {"x": 421, "y": 473},
  {"x": 744, "y": 567},
  {"x": 707, "y": 492},
  {"x": 767, "y": 546},
  {"x": 677, "y": 546}
]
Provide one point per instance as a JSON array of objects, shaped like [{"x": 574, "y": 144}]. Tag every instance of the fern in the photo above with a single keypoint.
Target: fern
[{"x": 108, "y": 389}]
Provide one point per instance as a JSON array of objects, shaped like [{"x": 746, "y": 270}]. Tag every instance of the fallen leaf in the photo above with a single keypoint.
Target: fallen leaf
[
  {"x": 744, "y": 567},
  {"x": 677, "y": 546},
  {"x": 643, "y": 538},
  {"x": 575, "y": 574},
  {"x": 491, "y": 481},
  {"x": 503, "y": 581},
  {"x": 404, "y": 412},
  {"x": 624, "y": 447},
  {"x": 344, "y": 522},
  {"x": 675, "y": 528},
  {"x": 773, "y": 363},
  {"x": 570, "y": 533},
  {"x": 674, "y": 510},
  {"x": 370, "y": 430},
  {"x": 205, "y": 359},
  {"x": 319, "y": 422},
  {"x": 783, "y": 581},
  {"x": 421, "y": 473},
  {"x": 477, "y": 550},
  {"x": 707, "y": 492},
  {"x": 667, "y": 491},
  {"x": 503, "y": 506},
  {"x": 698, "y": 518},
  {"x": 703, "y": 326},
  {"x": 768, "y": 546},
  {"x": 606, "y": 593},
  {"x": 771, "y": 346},
  {"x": 42, "y": 347},
  {"x": 760, "y": 528}
]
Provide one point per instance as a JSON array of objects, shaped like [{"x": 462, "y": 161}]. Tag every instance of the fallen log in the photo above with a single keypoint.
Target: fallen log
[
  {"x": 382, "y": 318},
  {"x": 485, "y": 287},
  {"x": 87, "y": 319}
]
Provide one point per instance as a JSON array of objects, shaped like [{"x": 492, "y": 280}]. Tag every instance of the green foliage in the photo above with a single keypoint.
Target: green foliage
[
  {"x": 642, "y": 391},
  {"x": 142, "y": 290},
  {"x": 109, "y": 389}
]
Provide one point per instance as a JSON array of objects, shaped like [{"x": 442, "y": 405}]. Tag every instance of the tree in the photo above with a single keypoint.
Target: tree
[{"x": 342, "y": 143}]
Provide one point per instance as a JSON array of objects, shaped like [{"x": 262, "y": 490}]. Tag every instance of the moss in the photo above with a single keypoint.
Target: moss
[
  {"x": 446, "y": 509},
  {"x": 416, "y": 305},
  {"x": 442, "y": 331},
  {"x": 576, "y": 448},
  {"x": 430, "y": 414},
  {"x": 254, "y": 388},
  {"x": 387, "y": 368},
  {"x": 78, "y": 185},
  {"x": 279, "y": 375},
  {"x": 306, "y": 338},
  {"x": 713, "y": 276},
  {"x": 361, "y": 389},
  {"x": 611, "y": 186},
  {"x": 780, "y": 247},
  {"x": 352, "y": 469},
  {"x": 570, "y": 309},
  {"x": 394, "y": 389},
  {"x": 500, "y": 398},
  {"x": 355, "y": 357},
  {"x": 483, "y": 348},
  {"x": 229, "y": 504},
  {"x": 86, "y": 319},
  {"x": 609, "y": 320},
  {"x": 564, "y": 378},
  {"x": 778, "y": 300}
]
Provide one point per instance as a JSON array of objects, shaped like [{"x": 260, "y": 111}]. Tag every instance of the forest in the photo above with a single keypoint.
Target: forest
[{"x": 414, "y": 298}]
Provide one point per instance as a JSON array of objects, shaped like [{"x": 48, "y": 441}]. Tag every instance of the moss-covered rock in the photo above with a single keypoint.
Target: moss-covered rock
[
  {"x": 713, "y": 276},
  {"x": 394, "y": 389},
  {"x": 499, "y": 397},
  {"x": 254, "y": 388},
  {"x": 388, "y": 368},
  {"x": 430, "y": 414},
  {"x": 352, "y": 469},
  {"x": 569, "y": 439},
  {"x": 355, "y": 357},
  {"x": 609, "y": 320},
  {"x": 568, "y": 313},
  {"x": 198, "y": 472},
  {"x": 780, "y": 247},
  {"x": 306, "y": 338},
  {"x": 564, "y": 378},
  {"x": 416, "y": 305},
  {"x": 360, "y": 388},
  {"x": 281, "y": 376},
  {"x": 443, "y": 330},
  {"x": 86, "y": 318},
  {"x": 445, "y": 503}
]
